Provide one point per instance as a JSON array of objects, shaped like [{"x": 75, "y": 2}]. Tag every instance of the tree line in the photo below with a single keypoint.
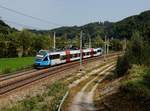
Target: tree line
[{"x": 26, "y": 43}]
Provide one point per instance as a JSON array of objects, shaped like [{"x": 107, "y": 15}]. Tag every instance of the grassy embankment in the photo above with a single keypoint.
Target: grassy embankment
[
  {"x": 8, "y": 65},
  {"x": 137, "y": 85},
  {"x": 133, "y": 93},
  {"x": 48, "y": 101}
]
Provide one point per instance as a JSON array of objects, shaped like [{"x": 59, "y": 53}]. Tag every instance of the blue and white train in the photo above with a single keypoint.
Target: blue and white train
[{"x": 45, "y": 58}]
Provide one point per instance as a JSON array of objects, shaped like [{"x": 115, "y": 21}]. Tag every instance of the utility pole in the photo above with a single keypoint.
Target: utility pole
[
  {"x": 54, "y": 47},
  {"x": 108, "y": 46},
  {"x": 89, "y": 41},
  {"x": 49, "y": 40},
  {"x": 105, "y": 49},
  {"x": 81, "y": 33}
]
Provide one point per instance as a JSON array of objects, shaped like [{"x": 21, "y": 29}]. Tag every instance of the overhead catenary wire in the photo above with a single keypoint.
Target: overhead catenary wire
[
  {"x": 29, "y": 16},
  {"x": 20, "y": 24}
]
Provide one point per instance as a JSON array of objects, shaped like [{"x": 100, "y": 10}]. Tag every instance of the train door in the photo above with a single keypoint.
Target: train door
[
  {"x": 67, "y": 55},
  {"x": 45, "y": 61},
  {"x": 92, "y": 52}
]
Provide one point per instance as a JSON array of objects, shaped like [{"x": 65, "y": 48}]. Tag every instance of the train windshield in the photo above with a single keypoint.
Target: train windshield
[{"x": 40, "y": 55}]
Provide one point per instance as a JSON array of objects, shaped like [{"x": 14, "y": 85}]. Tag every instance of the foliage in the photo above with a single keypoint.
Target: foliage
[
  {"x": 126, "y": 27},
  {"x": 22, "y": 43},
  {"x": 47, "y": 101},
  {"x": 138, "y": 52},
  {"x": 123, "y": 64},
  {"x": 98, "y": 42},
  {"x": 5, "y": 29},
  {"x": 137, "y": 86},
  {"x": 116, "y": 45}
]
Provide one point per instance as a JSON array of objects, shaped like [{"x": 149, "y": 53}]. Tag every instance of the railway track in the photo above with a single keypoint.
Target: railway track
[
  {"x": 9, "y": 76},
  {"x": 12, "y": 82}
]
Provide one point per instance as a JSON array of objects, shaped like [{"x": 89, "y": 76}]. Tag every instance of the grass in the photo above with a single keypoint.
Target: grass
[
  {"x": 138, "y": 83},
  {"x": 48, "y": 101},
  {"x": 8, "y": 65}
]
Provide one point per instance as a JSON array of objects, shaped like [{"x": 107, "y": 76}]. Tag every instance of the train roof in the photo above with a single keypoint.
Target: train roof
[{"x": 50, "y": 52}]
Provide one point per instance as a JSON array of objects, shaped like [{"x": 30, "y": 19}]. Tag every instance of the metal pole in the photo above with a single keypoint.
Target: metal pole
[
  {"x": 89, "y": 42},
  {"x": 49, "y": 41},
  {"x": 108, "y": 46},
  {"x": 105, "y": 50},
  {"x": 54, "y": 41},
  {"x": 81, "y": 50}
]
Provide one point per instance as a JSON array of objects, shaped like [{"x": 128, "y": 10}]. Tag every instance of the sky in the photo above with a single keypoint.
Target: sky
[{"x": 56, "y": 13}]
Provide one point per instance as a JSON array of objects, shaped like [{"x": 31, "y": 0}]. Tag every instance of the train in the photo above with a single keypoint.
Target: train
[{"x": 46, "y": 58}]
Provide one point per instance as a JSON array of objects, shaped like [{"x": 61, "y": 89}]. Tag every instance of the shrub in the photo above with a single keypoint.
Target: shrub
[
  {"x": 146, "y": 78},
  {"x": 136, "y": 89},
  {"x": 138, "y": 85},
  {"x": 123, "y": 64}
]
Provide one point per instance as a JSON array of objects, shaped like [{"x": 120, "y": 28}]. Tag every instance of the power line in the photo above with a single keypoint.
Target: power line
[
  {"x": 26, "y": 15},
  {"x": 23, "y": 25}
]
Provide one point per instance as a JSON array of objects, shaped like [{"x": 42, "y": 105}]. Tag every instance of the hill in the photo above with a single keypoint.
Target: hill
[
  {"x": 5, "y": 29},
  {"x": 127, "y": 26},
  {"x": 120, "y": 29}
]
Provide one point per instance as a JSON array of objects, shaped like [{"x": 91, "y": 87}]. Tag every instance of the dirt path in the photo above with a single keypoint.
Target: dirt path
[
  {"x": 83, "y": 100},
  {"x": 76, "y": 82}
]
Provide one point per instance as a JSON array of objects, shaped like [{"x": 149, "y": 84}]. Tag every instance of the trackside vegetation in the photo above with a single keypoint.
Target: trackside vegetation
[
  {"x": 138, "y": 84},
  {"x": 8, "y": 65},
  {"x": 48, "y": 101},
  {"x": 135, "y": 65}
]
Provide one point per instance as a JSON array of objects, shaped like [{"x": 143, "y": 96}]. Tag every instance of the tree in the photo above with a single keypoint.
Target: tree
[
  {"x": 98, "y": 42},
  {"x": 136, "y": 48},
  {"x": 24, "y": 40},
  {"x": 116, "y": 45}
]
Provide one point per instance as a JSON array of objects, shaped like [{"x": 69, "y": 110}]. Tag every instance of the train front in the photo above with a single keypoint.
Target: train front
[{"x": 41, "y": 59}]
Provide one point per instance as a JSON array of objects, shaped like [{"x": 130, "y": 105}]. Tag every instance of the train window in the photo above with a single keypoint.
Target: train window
[
  {"x": 98, "y": 50},
  {"x": 57, "y": 56},
  {"x": 95, "y": 52},
  {"x": 76, "y": 55},
  {"x": 45, "y": 59},
  {"x": 42, "y": 52},
  {"x": 63, "y": 57},
  {"x": 83, "y": 54},
  {"x": 71, "y": 55},
  {"x": 87, "y": 53}
]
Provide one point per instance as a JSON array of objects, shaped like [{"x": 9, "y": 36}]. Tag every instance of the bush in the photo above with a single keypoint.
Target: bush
[
  {"x": 138, "y": 85},
  {"x": 123, "y": 64},
  {"x": 138, "y": 52},
  {"x": 146, "y": 78},
  {"x": 136, "y": 89}
]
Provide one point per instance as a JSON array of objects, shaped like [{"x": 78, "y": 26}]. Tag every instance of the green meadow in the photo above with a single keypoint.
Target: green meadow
[{"x": 8, "y": 65}]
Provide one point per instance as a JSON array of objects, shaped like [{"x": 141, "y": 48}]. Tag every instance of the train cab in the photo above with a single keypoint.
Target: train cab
[{"x": 42, "y": 59}]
